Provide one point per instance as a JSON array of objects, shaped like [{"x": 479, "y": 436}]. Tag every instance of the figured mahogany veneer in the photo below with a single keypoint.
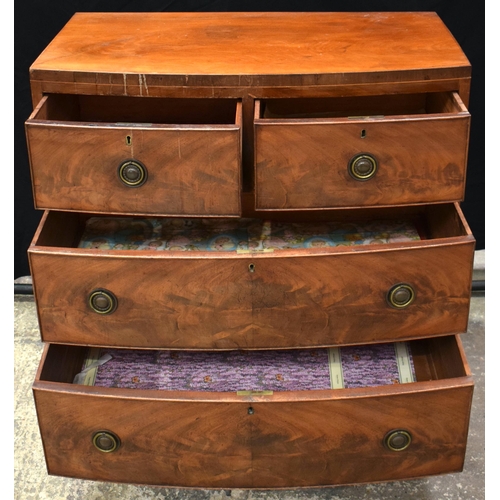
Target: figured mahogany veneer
[
  {"x": 292, "y": 298},
  {"x": 191, "y": 150},
  {"x": 303, "y": 148},
  {"x": 287, "y": 439}
]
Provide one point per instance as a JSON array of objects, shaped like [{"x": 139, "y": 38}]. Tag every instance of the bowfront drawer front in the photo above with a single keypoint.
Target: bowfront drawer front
[
  {"x": 186, "y": 292},
  {"x": 136, "y": 155},
  {"x": 363, "y": 151},
  {"x": 267, "y": 439}
]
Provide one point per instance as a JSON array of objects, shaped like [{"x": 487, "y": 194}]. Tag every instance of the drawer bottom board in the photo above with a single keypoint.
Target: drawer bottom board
[{"x": 281, "y": 440}]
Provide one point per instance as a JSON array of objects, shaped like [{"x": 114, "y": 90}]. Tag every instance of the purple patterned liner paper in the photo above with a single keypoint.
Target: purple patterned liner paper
[
  {"x": 371, "y": 366},
  {"x": 232, "y": 371}
]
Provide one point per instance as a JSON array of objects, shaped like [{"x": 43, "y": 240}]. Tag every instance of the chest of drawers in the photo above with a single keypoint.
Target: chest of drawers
[{"x": 267, "y": 186}]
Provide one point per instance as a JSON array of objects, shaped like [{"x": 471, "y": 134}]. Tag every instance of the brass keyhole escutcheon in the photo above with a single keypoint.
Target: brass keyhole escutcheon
[
  {"x": 251, "y": 268},
  {"x": 362, "y": 167},
  {"x": 397, "y": 440},
  {"x": 103, "y": 301},
  {"x": 106, "y": 441},
  {"x": 132, "y": 173},
  {"x": 401, "y": 295}
]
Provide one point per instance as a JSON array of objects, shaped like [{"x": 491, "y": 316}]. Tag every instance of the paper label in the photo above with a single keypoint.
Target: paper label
[
  {"x": 335, "y": 365},
  {"x": 404, "y": 364}
]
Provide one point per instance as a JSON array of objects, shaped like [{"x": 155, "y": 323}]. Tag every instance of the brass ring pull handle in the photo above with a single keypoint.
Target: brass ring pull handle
[
  {"x": 401, "y": 295},
  {"x": 397, "y": 440},
  {"x": 362, "y": 167},
  {"x": 103, "y": 301},
  {"x": 132, "y": 173},
  {"x": 106, "y": 441}
]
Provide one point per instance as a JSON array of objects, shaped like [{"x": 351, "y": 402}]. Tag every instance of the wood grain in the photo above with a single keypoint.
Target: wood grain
[
  {"x": 192, "y": 169},
  {"x": 315, "y": 438},
  {"x": 341, "y": 299},
  {"x": 292, "y": 299},
  {"x": 162, "y": 302},
  {"x": 460, "y": 85},
  {"x": 342, "y": 442},
  {"x": 302, "y": 163},
  {"x": 171, "y": 443},
  {"x": 250, "y": 49}
]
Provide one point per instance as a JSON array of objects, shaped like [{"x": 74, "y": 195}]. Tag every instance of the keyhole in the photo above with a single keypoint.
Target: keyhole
[
  {"x": 251, "y": 411},
  {"x": 251, "y": 268},
  {"x": 363, "y": 134},
  {"x": 128, "y": 140}
]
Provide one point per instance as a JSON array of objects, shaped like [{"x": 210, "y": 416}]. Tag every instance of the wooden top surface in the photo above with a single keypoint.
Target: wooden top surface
[{"x": 245, "y": 49}]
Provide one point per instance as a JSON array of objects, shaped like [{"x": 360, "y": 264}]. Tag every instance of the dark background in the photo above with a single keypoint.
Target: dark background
[{"x": 37, "y": 22}]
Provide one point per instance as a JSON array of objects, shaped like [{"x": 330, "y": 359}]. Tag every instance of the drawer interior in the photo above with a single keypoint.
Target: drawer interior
[
  {"x": 142, "y": 110},
  {"x": 361, "y": 106},
  {"x": 278, "y": 371},
  {"x": 290, "y": 231}
]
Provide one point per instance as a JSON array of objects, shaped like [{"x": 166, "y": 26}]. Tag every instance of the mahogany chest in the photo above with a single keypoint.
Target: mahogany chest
[{"x": 252, "y": 268}]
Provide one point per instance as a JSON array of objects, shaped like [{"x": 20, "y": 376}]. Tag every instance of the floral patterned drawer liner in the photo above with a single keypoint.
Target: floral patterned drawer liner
[
  {"x": 230, "y": 371},
  {"x": 240, "y": 235}
]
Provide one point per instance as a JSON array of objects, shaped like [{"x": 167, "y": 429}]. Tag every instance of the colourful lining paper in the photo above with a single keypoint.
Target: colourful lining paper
[{"x": 239, "y": 235}]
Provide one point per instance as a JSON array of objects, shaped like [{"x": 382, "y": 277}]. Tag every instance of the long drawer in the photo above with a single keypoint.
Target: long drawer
[
  {"x": 266, "y": 439},
  {"x": 255, "y": 299},
  {"x": 360, "y": 151},
  {"x": 136, "y": 155}
]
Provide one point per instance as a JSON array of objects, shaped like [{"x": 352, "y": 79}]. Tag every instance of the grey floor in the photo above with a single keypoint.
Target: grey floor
[{"x": 32, "y": 482}]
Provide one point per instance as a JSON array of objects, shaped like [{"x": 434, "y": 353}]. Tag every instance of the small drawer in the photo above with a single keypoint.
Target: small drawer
[
  {"x": 362, "y": 151},
  {"x": 196, "y": 284},
  {"x": 256, "y": 439},
  {"x": 136, "y": 155}
]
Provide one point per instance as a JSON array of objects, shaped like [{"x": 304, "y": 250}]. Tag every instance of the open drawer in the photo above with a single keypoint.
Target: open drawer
[
  {"x": 136, "y": 155},
  {"x": 346, "y": 277},
  {"x": 360, "y": 151},
  {"x": 255, "y": 439}
]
